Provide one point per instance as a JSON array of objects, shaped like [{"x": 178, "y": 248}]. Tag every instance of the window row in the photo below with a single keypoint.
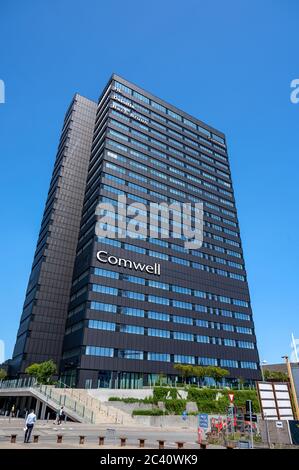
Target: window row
[
  {"x": 161, "y": 333},
  {"x": 162, "y": 176},
  {"x": 173, "y": 246},
  {"x": 207, "y": 194},
  {"x": 175, "y": 358},
  {"x": 134, "y": 197},
  {"x": 183, "y": 163},
  {"x": 138, "y": 154},
  {"x": 179, "y": 319},
  {"x": 119, "y": 87}
]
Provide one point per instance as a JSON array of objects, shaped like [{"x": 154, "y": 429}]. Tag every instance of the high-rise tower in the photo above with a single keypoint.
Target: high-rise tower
[
  {"x": 127, "y": 325},
  {"x": 42, "y": 323}
]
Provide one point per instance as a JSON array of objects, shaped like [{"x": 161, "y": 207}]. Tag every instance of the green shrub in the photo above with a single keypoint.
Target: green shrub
[
  {"x": 153, "y": 412},
  {"x": 175, "y": 406},
  {"x": 195, "y": 394},
  {"x": 206, "y": 399},
  {"x": 132, "y": 400},
  {"x": 160, "y": 393}
]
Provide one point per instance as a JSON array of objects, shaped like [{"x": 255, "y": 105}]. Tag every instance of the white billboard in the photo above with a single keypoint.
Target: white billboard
[{"x": 275, "y": 400}]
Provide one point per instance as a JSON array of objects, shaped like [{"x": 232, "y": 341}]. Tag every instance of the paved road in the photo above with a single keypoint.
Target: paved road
[{"x": 72, "y": 431}]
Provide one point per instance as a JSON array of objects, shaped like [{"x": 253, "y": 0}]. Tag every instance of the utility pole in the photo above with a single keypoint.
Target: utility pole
[
  {"x": 262, "y": 369},
  {"x": 250, "y": 415},
  {"x": 292, "y": 384}
]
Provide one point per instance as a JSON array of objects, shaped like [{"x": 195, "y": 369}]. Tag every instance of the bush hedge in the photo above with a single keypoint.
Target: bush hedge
[
  {"x": 153, "y": 412},
  {"x": 132, "y": 400},
  {"x": 175, "y": 407},
  {"x": 205, "y": 398},
  {"x": 160, "y": 393}
]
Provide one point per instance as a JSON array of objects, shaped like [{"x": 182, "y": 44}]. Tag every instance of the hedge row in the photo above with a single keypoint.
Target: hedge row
[
  {"x": 206, "y": 399},
  {"x": 153, "y": 412}
]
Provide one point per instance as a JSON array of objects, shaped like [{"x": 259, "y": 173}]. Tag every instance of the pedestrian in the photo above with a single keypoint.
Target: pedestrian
[
  {"x": 61, "y": 415},
  {"x": 13, "y": 410},
  {"x": 30, "y": 422}
]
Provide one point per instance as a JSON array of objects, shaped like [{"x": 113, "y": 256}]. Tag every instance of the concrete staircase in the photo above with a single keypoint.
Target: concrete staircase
[
  {"x": 102, "y": 412},
  {"x": 78, "y": 404}
]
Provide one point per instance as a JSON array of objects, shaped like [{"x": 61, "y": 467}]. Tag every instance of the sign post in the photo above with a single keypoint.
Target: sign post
[
  {"x": 230, "y": 415},
  {"x": 203, "y": 424},
  {"x": 249, "y": 408}
]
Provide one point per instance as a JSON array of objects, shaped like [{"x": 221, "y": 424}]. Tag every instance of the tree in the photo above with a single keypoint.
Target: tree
[
  {"x": 199, "y": 372},
  {"x": 276, "y": 375},
  {"x": 3, "y": 374},
  {"x": 217, "y": 373},
  {"x": 241, "y": 382},
  {"x": 184, "y": 370},
  {"x": 43, "y": 372}
]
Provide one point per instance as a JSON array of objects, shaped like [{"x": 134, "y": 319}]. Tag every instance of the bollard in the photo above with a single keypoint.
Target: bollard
[
  {"x": 161, "y": 444},
  {"x": 180, "y": 444},
  {"x": 141, "y": 442},
  {"x": 59, "y": 438},
  {"x": 13, "y": 438},
  {"x": 123, "y": 441},
  {"x": 35, "y": 438},
  {"x": 81, "y": 439},
  {"x": 101, "y": 440}
]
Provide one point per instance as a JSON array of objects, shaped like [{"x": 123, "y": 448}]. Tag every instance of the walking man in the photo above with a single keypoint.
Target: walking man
[
  {"x": 61, "y": 415},
  {"x": 30, "y": 422}
]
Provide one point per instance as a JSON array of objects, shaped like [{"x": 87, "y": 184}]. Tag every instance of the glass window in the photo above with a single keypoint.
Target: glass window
[
  {"x": 106, "y": 273},
  {"x": 183, "y": 320},
  {"x": 104, "y": 289},
  {"x": 227, "y": 327},
  {"x": 207, "y": 361},
  {"x": 179, "y": 358},
  {"x": 136, "y": 249},
  {"x": 158, "y": 285},
  {"x": 180, "y": 304},
  {"x": 104, "y": 307},
  {"x": 135, "y": 312},
  {"x": 151, "y": 356},
  {"x": 242, "y": 329},
  {"x": 229, "y": 342},
  {"x": 137, "y": 330},
  {"x": 202, "y": 323},
  {"x": 101, "y": 325},
  {"x": 181, "y": 290},
  {"x": 123, "y": 88},
  {"x": 158, "y": 106},
  {"x": 158, "y": 316},
  {"x": 133, "y": 295},
  {"x": 174, "y": 115},
  {"x": 202, "y": 339},
  {"x": 158, "y": 333},
  {"x": 130, "y": 354},
  {"x": 140, "y": 97},
  {"x": 248, "y": 365},
  {"x": 97, "y": 351},
  {"x": 158, "y": 300},
  {"x": 228, "y": 363},
  {"x": 134, "y": 279},
  {"x": 183, "y": 336}
]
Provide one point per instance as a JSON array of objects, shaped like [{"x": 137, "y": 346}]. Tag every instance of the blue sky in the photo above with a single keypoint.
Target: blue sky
[{"x": 228, "y": 63}]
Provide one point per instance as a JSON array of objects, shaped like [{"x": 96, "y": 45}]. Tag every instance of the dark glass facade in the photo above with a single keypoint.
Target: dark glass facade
[
  {"x": 126, "y": 327},
  {"x": 42, "y": 324}
]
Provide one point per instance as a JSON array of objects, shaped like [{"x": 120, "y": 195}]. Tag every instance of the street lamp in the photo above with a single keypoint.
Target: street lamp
[{"x": 263, "y": 363}]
